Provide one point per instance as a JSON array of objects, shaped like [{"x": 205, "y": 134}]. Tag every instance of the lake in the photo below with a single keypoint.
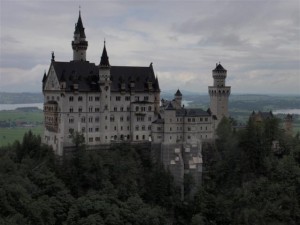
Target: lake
[{"x": 287, "y": 111}]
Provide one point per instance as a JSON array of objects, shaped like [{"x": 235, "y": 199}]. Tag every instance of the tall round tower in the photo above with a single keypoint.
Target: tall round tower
[
  {"x": 79, "y": 44},
  {"x": 219, "y": 93}
]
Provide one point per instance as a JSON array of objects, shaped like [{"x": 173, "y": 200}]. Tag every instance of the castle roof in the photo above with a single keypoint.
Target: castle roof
[
  {"x": 79, "y": 29},
  {"x": 219, "y": 67},
  {"x": 86, "y": 75},
  {"x": 104, "y": 58},
  {"x": 178, "y": 93},
  {"x": 190, "y": 112}
]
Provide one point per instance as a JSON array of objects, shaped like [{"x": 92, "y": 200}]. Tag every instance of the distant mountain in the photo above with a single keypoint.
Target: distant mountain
[{"x": 20, "y": 98}]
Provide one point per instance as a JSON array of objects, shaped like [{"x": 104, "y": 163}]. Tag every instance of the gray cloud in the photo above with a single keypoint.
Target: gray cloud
[{"x": 258, "y": 42}]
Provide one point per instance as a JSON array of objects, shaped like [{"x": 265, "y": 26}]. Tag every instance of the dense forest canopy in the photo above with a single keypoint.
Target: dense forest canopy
[{"x": 246, "y": 181}]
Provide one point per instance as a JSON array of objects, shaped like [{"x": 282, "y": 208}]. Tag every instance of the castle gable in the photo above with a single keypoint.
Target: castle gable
[{"x": 52, "y": 83}]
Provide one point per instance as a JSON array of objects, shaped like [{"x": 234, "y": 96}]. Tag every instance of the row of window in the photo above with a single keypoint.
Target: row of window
[
  {"x": 193, "y": 119},
  {"x": 80, "y": 98},
  {"x": 180, "y": 128}
]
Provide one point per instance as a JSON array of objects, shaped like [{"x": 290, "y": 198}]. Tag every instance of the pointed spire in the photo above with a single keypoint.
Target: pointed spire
[
  {"x": 44, "y": 77},
  {"x": 156, "y": 84},
  {"x": 79, "y": 29},
  {"x": 178, "y": 93},
  {"x": 104, "y": 62}
]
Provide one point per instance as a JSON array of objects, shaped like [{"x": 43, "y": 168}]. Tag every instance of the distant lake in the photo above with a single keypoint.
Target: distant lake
[
  {"x": 287, "y": 111},
  {"x": 14, "y": 106}
]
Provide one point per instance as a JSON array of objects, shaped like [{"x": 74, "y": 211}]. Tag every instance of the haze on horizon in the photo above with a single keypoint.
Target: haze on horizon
[{"x": 258, "y": 42}]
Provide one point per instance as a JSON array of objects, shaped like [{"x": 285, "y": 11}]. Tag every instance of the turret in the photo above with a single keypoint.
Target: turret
[
  {"x": 79, "y": 44},
  {"x": 219, "y": 93},
  {"x": 104, "y": 86},
  {"x": 178, "y": 98}
]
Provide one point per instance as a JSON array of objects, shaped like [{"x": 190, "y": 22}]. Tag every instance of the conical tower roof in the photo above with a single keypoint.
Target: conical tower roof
[
  {"x": 79, "y": 29},
  {"x": 104, "y": 62}
]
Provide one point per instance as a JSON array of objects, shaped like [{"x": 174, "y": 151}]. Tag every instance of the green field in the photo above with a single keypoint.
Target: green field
[{"x": 9, "y": 135}]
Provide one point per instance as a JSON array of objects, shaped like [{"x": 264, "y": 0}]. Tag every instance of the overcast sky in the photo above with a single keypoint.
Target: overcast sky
[{"x": 258, "y": 42}]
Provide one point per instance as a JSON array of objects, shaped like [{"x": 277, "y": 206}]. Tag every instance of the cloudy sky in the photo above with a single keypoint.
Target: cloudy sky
[{"x": 257, "y": 41}]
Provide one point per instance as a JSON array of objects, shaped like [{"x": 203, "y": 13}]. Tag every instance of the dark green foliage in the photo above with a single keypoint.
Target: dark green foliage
[
  {"x": 117, "y": 186},
  {"x": 245, "y": 182}
]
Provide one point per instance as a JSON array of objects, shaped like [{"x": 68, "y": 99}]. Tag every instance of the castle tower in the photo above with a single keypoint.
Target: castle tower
[
  {"x": 79, "y": 44},
  {"x": 288, "y": 124},
  {"x": 219, "y": 93},
  {"x": 104, "y": 82}
]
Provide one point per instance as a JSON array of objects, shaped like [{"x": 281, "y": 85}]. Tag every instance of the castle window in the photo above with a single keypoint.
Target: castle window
[
  {"x": 106, "y": 107},
  {"x": 146, "y": 98},
  {"x": 80, "y": 98},
  {"x": 82, "y": 119},
  {"x": 137, "y": 108},
  {"x": 112, "y": 119},
  {"x": 97, "y": 129},
  {"x": 149, "y": 118},
  {"x": 143, "y": 137},
  {"x": 189, "y": 137},
  {"x": 90, "y": 119},
  {"x": 121, "y": 118},
  {"x": 149, "y": 127},
  {"x": 80, "y": 109},
  {"x": 189, "y": 129},
  {"x": 115, "y": 128},
  {"x": 97, "y": 119},
  {"x": 97, "y": 109},
  {"x": 206, "y": 119},
  {"x": 97, "y": 138},
  {"x": 128, "y": 109},
  {"x": 118, "y": 98},
  {"x": 90, "y": 98},
  {"x": 127, "y": 98},
  {"x": 137, "y": 98},
  {"x": 71, "y": 98},
  {"x": 115, "y": 109},
  {"x": 128, "y": 118},
  {"x": 71, "y": 120},
  {"x": 189, "y": 119},
  {"x": 137, "y": 137},
  {"x": 149, "y": 108},
  {"x": 122, "y": 109},
  {"x": 90, "y": 129},
  {"x": 121, "y": 128},
  {"x": 143, "y": 127},
  {"x": 71, "y": 130},
  {"x": 90, "y": 139},
  {"x": 83, "y": 129},
  {"x": 136, "y": 127},
  {"x": 97, "y": 99},
  {"x": 105, "y": 127},
  {"x": 201, "y": 119},
  {"x": 71, "y": 109},
  {"x": 90, "y": 109},
  {"x": 170, "y": 128}
]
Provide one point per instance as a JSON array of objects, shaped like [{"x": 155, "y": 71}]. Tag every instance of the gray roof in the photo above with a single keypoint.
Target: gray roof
[
  {"x": 85, "y": 74},
  {"x": 219, "y": 67},
  {"x": 192, "y": 112}
]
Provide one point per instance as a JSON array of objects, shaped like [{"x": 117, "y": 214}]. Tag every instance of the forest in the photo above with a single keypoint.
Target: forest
[{"x": 246, "y": 180}]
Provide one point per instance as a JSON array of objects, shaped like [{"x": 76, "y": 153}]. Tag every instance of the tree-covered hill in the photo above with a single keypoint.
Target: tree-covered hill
[{"x": 247, "y": 180}]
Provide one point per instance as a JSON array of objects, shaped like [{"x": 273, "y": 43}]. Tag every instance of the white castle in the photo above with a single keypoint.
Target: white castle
[{"x": 121, "y": 104}]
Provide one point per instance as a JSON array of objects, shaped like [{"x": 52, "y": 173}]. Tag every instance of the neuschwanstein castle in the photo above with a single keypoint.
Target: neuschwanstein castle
[{"x": 121, "y": 104}]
